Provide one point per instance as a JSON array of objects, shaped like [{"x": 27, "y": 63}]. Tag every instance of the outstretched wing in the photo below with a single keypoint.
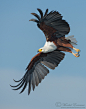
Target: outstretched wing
[
  {"x": 51, "y": 24},
  {"x": 36, "y": 70}
]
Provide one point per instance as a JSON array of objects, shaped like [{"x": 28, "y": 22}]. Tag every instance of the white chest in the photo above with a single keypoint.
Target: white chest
[{"x": 49, "y": 46}]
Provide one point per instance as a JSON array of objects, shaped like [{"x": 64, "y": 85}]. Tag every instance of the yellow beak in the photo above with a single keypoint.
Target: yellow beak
[{"x": 40, "y": 50}]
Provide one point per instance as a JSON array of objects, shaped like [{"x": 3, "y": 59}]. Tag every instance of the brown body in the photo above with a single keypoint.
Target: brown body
[{"x": 61, "y": 43}]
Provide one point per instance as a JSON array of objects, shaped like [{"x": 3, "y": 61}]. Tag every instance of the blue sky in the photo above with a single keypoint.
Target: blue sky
[{"x": 19, "y": 42}]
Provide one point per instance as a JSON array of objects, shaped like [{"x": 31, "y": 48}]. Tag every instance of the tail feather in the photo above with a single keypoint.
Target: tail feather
[{"x": 72, "y": 39}]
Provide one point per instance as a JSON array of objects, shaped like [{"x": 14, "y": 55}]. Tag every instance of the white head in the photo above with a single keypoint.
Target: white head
[
  {"x": 48, "y": 47},
  {"x": 43, "y": 50}
]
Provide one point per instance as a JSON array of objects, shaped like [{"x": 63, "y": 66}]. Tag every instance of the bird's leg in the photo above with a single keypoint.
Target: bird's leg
[
  {"x": 69, "y": 45},
  {"x": 64, "y": 45},
  {"x": 76, "y": 54},
  {"x": 77, "y": 50},
  {"x": 67, "y": 50}
]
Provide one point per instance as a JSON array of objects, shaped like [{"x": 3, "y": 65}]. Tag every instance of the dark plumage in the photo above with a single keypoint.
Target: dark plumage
[
  {"x": 36, "y": 71},
  {"x": 52, "y": 24},
  {"x": 55, "y": 29}
]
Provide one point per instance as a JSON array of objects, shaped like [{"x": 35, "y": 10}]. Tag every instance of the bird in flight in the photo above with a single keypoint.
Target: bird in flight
[{"x": 50, "y": 55}]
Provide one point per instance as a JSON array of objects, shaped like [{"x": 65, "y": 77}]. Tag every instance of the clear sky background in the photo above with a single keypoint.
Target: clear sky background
[{"x": 19, "y": 42}]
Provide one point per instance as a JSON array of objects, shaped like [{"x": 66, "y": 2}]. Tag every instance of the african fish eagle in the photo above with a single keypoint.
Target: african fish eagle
[{"x": 55, "y": 29}]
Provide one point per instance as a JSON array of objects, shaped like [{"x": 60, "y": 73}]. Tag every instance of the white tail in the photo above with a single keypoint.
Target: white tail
[{"x": 73, "y": 40}]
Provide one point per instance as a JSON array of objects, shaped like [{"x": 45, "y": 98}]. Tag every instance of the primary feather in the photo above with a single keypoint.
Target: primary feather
[
  {"x": 52, "y": 24},
  {"x": 37, "y": 71}
]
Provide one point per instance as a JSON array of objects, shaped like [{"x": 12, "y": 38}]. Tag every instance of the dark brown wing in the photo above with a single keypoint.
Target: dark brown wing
[
  {"x": 51, "y": 24},
  {"x": 36, "y": 71}
]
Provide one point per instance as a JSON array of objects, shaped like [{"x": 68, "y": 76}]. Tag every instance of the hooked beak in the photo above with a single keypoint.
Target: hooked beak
[{"x": 40, "y": 50}]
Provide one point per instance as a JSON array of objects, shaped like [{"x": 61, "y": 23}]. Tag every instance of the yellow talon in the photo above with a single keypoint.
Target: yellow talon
[
  {"x": 76, "y": 54},
  {"x": 77, "y": 50}
]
